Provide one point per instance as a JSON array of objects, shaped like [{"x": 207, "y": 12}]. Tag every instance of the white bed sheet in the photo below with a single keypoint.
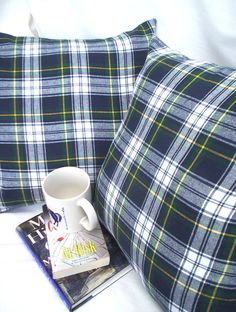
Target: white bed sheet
[
  {"x": 25, "y": 288},
  {"x": 201, "y": 29},
  {"x": 14, "y": 17}
]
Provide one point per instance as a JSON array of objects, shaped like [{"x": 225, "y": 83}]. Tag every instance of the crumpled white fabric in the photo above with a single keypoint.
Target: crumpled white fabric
[{"x": 203, "y": 29}]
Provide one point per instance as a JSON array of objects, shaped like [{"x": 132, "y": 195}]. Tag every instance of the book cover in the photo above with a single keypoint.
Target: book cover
[
  {"x": 76, "y": 289},
  {"x": 76, "y": 252}
]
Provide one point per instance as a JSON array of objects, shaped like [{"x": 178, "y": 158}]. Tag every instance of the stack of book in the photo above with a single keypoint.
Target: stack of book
[{"x": 80, "y": 265}]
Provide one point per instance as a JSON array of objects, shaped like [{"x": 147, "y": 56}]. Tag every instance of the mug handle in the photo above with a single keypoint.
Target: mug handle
[{"x": 90, "y": 221}]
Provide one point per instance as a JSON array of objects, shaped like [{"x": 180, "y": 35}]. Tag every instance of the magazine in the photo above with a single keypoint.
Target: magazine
[{"x": 78, "y": 288}]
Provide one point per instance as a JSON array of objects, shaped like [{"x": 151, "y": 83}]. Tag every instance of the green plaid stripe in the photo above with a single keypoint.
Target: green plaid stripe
[
  {"x": 167, "y": 189},
  {"x": 61, "y": 104}
]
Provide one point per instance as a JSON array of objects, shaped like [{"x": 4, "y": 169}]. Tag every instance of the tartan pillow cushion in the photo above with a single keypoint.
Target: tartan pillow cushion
[
  {"x": 167, "y": 189},
  {"x": 61, "y": 104}
]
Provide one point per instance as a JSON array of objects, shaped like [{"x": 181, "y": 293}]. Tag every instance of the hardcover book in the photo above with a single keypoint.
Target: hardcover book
[
  {"x": 76, "y": 252},
  {"x": 78, "y": 288}
]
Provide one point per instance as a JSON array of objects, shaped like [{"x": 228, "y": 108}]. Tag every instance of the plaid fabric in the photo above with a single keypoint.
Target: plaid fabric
[
  {"x": 167, "y": 189},
  {"x": 61, "y": 103}
]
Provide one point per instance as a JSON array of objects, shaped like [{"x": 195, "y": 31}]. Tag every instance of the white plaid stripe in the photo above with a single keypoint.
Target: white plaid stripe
[
  {"x": 159, "y": 97},
  {"x": 84, "y": 130},
  {"x": 166, "y": 172},
  {"x": 126, "y": 84},
  {"x": 220, "y": 204},
  {"x": 32, "y": 87},
  {"x": 33, "y": 133},
  {"x": 200, "y": 116},
  {"x": 112, "y": 194},
  {"x": 80, "y": 84},
  {"x": 31, "y": 48},
  {"x": 36, "y": 176},
  {"x": 133, "y": 148}
]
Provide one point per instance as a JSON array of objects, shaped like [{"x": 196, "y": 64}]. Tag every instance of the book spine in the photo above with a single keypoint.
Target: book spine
[{"x": 42, "y": 267}]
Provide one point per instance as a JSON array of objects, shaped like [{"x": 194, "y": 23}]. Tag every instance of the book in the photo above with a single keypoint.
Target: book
[
  {"x": 75, "y": 252},
  {"x": 76, "y": 289}
]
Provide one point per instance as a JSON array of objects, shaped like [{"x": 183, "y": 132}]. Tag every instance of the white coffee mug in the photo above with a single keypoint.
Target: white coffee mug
[{"x": 67, "y": 194}]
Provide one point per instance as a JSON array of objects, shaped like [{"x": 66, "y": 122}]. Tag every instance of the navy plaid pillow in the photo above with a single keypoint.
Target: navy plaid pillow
[
  {"x": 61, "y": 103},
  {"x": 167, "y": 189}
]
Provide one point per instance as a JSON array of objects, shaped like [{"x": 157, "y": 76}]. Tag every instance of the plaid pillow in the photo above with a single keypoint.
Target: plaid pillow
[
  {"x": 61, "y": 104},
  {"x": 167, "y": 189}
]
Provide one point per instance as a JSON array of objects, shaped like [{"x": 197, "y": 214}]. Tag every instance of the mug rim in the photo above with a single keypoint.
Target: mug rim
[{"x": 61, "y": 169}]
